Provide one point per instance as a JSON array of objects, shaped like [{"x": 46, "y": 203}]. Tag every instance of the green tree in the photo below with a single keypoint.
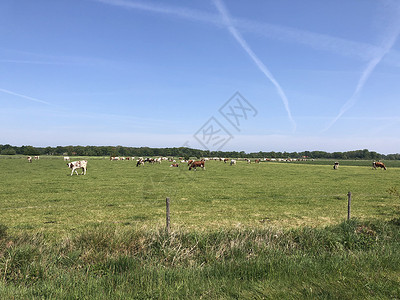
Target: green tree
[
  {"x": 30, "y": 150},
  {"x": 8, "y": 151}
]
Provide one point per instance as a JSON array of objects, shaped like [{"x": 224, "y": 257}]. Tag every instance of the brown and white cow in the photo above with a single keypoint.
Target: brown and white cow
[
  {"x": 198, "y": 163},
  {"x": 81, "y": 164},
  {"x": 233, "y": 162},
  {"x": 174, "y": 166},
  {"x": 29, "y": 159},
  {"x": 378, "y": 164}
]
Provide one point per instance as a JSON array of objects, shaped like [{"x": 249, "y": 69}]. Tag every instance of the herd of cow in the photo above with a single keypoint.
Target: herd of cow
[{"x": 192, "y": 164}]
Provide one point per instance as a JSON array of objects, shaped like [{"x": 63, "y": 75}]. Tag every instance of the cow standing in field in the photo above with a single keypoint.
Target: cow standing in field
[
  {"x": 336, "y": 165},
  {"x": 233, "y": 162},
  {"x": 378, "y": 164},
  {"x": 198, "y": 163},
  {"x": 36, "y": 157},
  {"x": 140, "y": 162},
  {"x": 66, "y": 158},
  {"x": 81, "y": 164},
  {"x": 29, "y": 159}
]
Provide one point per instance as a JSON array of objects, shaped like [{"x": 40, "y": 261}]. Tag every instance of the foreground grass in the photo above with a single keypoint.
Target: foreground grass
[{"x": 352, "y": 260}]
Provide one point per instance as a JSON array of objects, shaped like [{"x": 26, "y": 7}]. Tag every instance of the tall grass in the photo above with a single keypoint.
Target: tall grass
[{"x": 351, "y": 260}]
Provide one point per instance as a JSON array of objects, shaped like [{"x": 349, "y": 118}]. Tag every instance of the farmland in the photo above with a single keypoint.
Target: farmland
[
  {"x": 43, "y": 197},
  {"x": 248, "y": 226}
]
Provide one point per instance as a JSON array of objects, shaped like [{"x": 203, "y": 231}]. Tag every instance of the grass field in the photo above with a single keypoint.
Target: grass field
[
  {"x": 268, "y": 230},
  {"x": 41, "y": 196}
]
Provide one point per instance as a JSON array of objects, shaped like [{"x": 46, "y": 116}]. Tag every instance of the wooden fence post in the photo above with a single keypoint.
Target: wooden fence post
[
  {"x": 348, "y": 205},
  {"x": 168, "y": 217}
]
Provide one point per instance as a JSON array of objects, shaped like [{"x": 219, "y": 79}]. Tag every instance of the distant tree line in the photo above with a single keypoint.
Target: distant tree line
[{"x": 185, "y": 152}]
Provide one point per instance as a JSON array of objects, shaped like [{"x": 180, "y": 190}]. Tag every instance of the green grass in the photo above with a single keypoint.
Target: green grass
[
  {"x": 268, "y": 230},
  {"x": 351, "y": 260},
  {"x": 42, "y": 197}
]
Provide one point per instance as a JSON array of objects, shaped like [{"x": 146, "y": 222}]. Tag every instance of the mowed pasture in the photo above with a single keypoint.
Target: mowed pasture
[{"x": 42, "y": 196}]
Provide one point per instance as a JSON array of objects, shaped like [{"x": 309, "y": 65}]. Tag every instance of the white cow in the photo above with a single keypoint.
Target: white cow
[
  {"x": 233, "y": 162},
  {"x": 36, "y": 157},
  {"x": 81, "y": 164},
  {"x": 66, "y": 158}
]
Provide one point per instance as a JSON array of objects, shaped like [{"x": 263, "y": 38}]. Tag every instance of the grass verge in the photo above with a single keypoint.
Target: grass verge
[{"x": 351, "y": 260}]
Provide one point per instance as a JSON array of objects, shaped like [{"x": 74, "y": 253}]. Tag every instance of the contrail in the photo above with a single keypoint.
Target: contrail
[
  {"x": 317, "y": 41},
  {"x": 24, "y": 96},
  {"x": 168, "y": 10},
  {"x": 221, "y": 8},
  {"x": 378, "y": 56},
  {"x": 35, "y": 62}
]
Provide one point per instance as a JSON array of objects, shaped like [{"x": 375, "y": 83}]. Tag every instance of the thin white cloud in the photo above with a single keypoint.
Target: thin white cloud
[
  {"x": 162, "y": 9},
  {"x": 225, "y": 15},
  {"x": 24, "y": 96},
  {"x": 27, "y": 57},
  {"x": 31, "y": 62},
  {"x": 387, "y": 44},
  {"x": 317, "y": 41}
]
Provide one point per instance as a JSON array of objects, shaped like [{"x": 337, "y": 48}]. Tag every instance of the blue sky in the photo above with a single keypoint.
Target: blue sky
[{"x": 318, "y": 75}]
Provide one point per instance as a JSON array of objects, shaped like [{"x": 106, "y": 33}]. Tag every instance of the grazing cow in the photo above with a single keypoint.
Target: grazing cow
[
  {"x": 114, "y": 158},
  {"x": 198, "y": 163},
  {"x": 257, "y": 161},
  {"x": 36, "y": 157},
  {"x": 190, "y": 161},
  {"x": 66, "y": 158},
  {"x": 248, "y": 161},
  {"x": 226, "y": 160},
  {"x": 174, "y": 165},
  {"x": 378, "y": 164},
  {"x": 336, "y": 165},
  {"x": 233, "y": 162},
  {"x": 29, "y": 159},
  {"x": 140, "y": 162},
  {"x": 81, "y": 164}
]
